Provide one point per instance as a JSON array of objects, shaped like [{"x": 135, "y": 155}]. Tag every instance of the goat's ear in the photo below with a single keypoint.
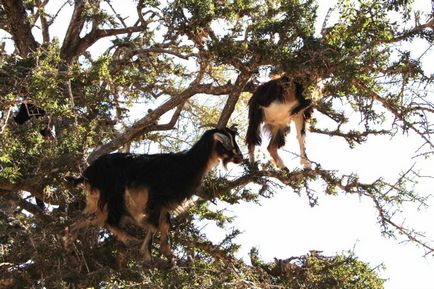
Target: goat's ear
[
  {"x": 223, "y": 139},
  {"x": 234, "y": 128}
]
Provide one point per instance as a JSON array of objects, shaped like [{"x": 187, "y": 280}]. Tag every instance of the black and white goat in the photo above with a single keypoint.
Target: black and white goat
[
  {"x": 146, "y": 188},
  {"x": 276, "y": 103}
]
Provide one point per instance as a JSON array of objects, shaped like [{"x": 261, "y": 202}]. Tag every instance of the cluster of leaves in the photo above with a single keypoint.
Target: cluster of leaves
[
  {"x": 315, "y": 270},
  {"x": 99, "y": 261}
]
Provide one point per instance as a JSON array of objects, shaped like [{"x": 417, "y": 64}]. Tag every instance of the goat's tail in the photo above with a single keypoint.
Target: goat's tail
[
  {"x": 256, "y": 116},
  {"x": 74, "y": 181}
]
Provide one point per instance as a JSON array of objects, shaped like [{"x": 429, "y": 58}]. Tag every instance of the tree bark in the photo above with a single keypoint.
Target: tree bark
[
  {"x": 19, "y": 27},
  {"x": 233, "y": 97},
  {"x": 72, "y": 36}
]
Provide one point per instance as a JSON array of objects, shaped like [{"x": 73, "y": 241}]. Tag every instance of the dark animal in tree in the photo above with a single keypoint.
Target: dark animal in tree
[
  {"x": 275, "y": 104},
  {"x": 146, "y": 188},
  {"x": 27, "y": 111}
]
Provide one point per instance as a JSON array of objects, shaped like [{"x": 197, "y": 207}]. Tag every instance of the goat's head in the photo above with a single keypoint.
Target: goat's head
[{"x": 226, "y": 147}]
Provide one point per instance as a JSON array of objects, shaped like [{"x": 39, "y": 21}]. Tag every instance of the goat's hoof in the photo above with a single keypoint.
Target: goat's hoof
[
  {"x": 253, "y": 166},
  {"x": 278, "y": 163},
  {"x": 306, "y": 164}
]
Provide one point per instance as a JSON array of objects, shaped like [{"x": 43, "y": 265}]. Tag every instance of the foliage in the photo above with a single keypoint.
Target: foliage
[{"x": 169, "y": 69}]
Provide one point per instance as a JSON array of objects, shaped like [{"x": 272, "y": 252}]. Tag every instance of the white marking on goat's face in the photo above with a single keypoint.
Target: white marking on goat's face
[{"x": 228, "y": 150}]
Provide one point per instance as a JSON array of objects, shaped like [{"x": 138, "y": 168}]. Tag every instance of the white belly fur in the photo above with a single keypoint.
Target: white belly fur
[{"x": 278, "y": 114}]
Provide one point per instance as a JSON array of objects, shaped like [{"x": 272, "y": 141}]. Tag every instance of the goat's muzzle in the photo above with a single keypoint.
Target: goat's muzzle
[{"x": 238, "y": 159}]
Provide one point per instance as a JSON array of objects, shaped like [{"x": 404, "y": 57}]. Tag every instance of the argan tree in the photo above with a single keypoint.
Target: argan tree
[{"x": 97, "y": 76}]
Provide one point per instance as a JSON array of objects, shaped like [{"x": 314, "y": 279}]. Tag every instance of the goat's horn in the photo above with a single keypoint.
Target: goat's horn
[
  {"x": 224, "y": 139},
  {"x": 234, "y": 127}
]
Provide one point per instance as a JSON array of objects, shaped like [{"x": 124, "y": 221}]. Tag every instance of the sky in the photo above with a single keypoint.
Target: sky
[{"x": 286, "y": 225}]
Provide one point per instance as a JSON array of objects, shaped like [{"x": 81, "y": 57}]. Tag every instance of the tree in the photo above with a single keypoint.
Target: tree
[{"x": 169, "y": 69}]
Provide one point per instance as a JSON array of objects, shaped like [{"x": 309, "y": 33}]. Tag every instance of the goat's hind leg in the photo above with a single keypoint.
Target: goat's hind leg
[
  {"x": 300, "y": 125},
  {"x": 122, "y": 235},
  {"x": 251, "y": 149},
  {"x": 151, "y": 224},
  {"x": 159, "y": 220},
  {"x": 277, "y": 141},
  {"x": 253, "y": 135}
]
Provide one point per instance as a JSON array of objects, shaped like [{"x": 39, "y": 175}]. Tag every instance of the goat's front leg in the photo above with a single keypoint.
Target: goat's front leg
[
  {"x": 300, "y": 125},
  {"x": 278, "y": 162},
  {"x": 251, "y": 149},
  {"x": 277, "y": 141},
  {"x": 158, "y": 220}
]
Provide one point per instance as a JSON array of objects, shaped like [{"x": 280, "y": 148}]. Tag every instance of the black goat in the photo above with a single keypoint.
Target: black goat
[
  {"x": 145, "y": 188},
  {"x": 276, "y": 103},
  {"x": 27, "y": 111}
]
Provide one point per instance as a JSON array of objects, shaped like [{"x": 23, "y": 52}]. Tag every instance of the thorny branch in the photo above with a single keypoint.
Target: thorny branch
[
  {"x": 399, "y": 115},
  {"x": 298, "y": 180},
  {"x": 351, "y": 136}
]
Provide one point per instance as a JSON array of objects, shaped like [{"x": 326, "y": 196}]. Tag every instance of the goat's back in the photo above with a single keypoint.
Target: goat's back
[
  {"x": 167, "y": 178},
  {"x": 159, "y": 171},
  {"x": 268, "y": 92}
]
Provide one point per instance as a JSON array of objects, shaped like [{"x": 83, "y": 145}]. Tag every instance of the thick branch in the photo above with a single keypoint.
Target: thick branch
[
  {"x": 151, "y": 119},
  {"x": 415, "y": 30},
  {"x": 403, "y": 36},
  {"x": 72, "y": 36},
  {"x": 215, "y": 251},
  {"x": 44, "y": 22},
  {"x": 170, "y": 124},
  {"x": 233, "y": 97},
  {"x": 97, "y": 34},
  {"x": 338, "y": 117},
  {"x": 19, "y": 26},
  {"x": 7, "y": 187},
  {"x": 4, "y": 120}
]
